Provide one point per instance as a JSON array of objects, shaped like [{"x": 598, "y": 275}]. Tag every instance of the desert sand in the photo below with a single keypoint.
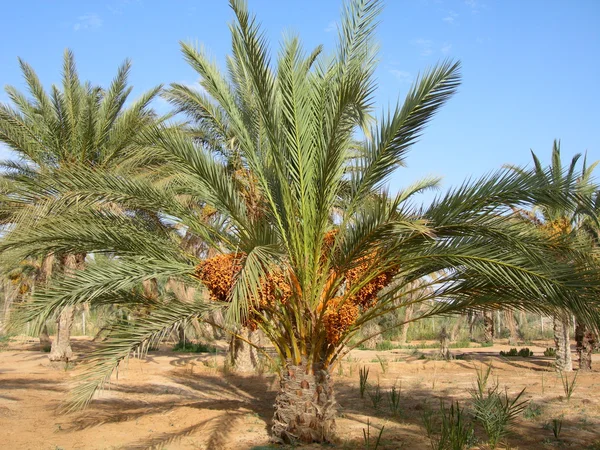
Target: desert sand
[{"x": 186, "y": 401}]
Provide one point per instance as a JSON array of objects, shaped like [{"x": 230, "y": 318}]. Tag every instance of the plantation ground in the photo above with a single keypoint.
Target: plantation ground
[{"x": 185, "y": 401}]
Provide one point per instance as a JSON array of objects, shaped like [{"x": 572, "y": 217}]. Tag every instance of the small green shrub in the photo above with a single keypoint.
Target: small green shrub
[
  {"x": 367, "y": 437},
  {"x": 364, "y": 380},
  {"x": 4, "y": 341},
  {"x": 494, "y": 410},
  {"x": 550, "y": 352},
  {"x": 384, "y": 346},
  {"x": 487, "y": 344},
  {"x": 187, "y": 347},
  {"x": 524, "y": 352},
  {"x": 448, "y": 429},
  {"x": 510, "y": 353},
  {"x": 46, "y": 348},
  {"x": 568, "y": 385},
  {"x": 376, "y": 396},
  {"x": 557, "y": 427},
  {"x": 394, "y": 401},
  {"x": 532, "y": 411},
  {"x": 460, "y": 344}
]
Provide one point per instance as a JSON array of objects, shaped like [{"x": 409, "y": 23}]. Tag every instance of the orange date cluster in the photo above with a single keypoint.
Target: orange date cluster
[{"x": 219, "y": 273}]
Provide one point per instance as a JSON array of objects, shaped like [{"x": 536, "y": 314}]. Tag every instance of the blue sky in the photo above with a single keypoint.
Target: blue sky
[{"x": 530, "y": 68}]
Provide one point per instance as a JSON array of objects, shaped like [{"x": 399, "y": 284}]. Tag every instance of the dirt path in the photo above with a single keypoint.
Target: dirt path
[{"x": 182, "y": 401}]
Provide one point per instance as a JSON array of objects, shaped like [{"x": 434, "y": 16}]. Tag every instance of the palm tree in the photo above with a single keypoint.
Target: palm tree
[
  {"x": 78, "y": 125},
  {"x": 563, "y": 223},
  {"x": 287, "y": 260},
  {"x": 586, "y": 340}
]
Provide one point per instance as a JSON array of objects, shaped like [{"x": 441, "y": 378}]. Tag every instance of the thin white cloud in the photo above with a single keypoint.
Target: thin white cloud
[
  {"x": 401, "y": 75},
  {"x": 475, "y": 5},
  {"x": 424, "y": 45},
  {"x": 88, "y": 22},
  {"x": 118, "y": 7},
  {"x": 450, "y": 17},
  {"x": 331, "y": 26},
  {"x": 446, "y": 47},
  {"x": 115, "y": 10}
]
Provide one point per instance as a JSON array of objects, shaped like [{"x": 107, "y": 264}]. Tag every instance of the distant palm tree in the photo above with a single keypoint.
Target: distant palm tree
[
  {"x": 563, "y": 222},
  {"x": 80, "y": 125},
  {"x": 307, "y": 246},
  {"x": 589, "y": 230}
]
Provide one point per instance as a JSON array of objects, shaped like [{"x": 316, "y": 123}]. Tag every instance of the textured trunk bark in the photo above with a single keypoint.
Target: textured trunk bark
[
  {"x": 370, "y": 329},
  {"x": 585, "y": 346},
  {"x": 61, "y": 350},
  {"x": 444, "y": 345},
  {"x": 216, "y": 317},
  {"x": 408, "y": 312},
  {"x": 563, "y": 362},
  {"x": 244, "y": 357},
  {"x": 488, "y": 327},
  {"x": 45, "y": 341},
  {"x": 44, "y": 275},
  {"x": 8, "y": 294},
  {"x": 305, "y": 408},
  {"x": 471, "y": 319},
  {"x": 511, "y": 324},
  {"x": 456, "y": 327}
]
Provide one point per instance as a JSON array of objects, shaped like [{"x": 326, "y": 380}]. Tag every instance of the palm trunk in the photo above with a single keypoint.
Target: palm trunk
[
  {"x": 61, "y": 350},
  {"x": 371, "y": 329},
  {"x": 8, "y": 293},
  {"x": 488, "y": 327},
  {"x": 511, "y": 323},
  {"x": 43, "y": 277},
  {"x": 456, "y": 327},
  {"x": 244, "y": 358},
  {"x": 444, "y": 345},
  {"x": 45, "y": 342},
  {"x": 407, "y": 316},
  {"x": 305, "y": 407},
  {"x": 563, "y": 362},
  {"x": 471, "y": 319},
  {"x": 585, "y": 346}
]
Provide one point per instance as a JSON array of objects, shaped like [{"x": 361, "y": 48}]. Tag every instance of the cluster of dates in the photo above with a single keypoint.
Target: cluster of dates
[{"x": 219, "y": 273}]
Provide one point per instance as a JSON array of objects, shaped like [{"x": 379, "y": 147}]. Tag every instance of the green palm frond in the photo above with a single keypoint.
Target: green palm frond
[
  {"x": 126, "y": 339},
  {"x": 104, "y": 282}
]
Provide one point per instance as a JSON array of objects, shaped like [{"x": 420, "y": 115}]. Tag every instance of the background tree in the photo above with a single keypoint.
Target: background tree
[
  {"x": 77, "y": 124},
  {"x": 589, "y": 230},
  {"x": 563, "y": 223}
]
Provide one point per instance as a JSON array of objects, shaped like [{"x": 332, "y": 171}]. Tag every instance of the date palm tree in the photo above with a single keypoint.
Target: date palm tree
[
  {"x": 589, "y": 230},
  {"x": 77, "y": 124},
  {"x": 564, "y": 223},
  {"x": 314, "y": 246}
]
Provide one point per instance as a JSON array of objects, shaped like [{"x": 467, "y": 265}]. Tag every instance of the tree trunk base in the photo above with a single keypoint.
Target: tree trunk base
[
  {"x": 244, "y": 357},
  {"x": 488, "y": 327},
  {"x": 586, "y": 343},
  {"x": 305, "y": 407},
  {"x": 562, "y": 340},
  {"x": 61, "y": 350},
  {"x": 45, "y": 342}
]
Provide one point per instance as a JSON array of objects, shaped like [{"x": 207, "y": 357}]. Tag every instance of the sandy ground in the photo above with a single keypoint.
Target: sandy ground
[{"x": 182, "y": 401}]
